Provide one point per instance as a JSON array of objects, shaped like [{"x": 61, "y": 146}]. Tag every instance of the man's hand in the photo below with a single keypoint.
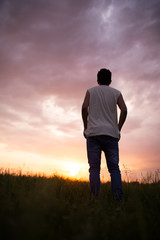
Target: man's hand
[{"x": 84, "y": 133}]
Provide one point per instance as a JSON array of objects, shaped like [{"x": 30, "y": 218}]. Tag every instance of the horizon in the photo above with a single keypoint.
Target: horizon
[{"x": 127, "y": 176}]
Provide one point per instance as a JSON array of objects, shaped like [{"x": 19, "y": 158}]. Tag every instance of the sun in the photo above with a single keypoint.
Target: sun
[{"x": 73, "y": 168}]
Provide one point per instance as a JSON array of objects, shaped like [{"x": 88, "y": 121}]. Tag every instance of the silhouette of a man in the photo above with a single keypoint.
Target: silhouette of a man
[{"x": 102, "y": 131}]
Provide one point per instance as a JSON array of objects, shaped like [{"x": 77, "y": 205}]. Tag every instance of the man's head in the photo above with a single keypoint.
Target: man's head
[{"x": 104, "y": 77}]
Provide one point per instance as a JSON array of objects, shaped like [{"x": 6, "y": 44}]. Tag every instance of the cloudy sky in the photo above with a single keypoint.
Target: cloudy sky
[{"x": 50, "y": 53}]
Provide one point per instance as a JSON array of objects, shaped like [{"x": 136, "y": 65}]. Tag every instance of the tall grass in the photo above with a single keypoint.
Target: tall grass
[{"x": 36, "y": 207}]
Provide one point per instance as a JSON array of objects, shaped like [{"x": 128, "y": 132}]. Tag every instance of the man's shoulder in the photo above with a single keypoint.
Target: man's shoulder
[
  {"x": 92, "y": 88},
  {"x": 107, "y": 88},
  {"x": 114, "y": 90}
]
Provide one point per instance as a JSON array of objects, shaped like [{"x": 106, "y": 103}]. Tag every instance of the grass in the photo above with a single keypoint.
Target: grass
[{"x": 56, "y": 208}]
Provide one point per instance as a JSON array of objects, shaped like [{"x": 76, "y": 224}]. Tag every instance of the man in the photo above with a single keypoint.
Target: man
[{"x": 102, "y": 131}]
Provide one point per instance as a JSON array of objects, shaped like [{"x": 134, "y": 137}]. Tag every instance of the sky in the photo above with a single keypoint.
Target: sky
[{"x": 50, "y": 53}]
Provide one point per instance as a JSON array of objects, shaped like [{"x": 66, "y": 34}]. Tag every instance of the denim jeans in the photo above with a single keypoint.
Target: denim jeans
[{"x": 109, "y": 145}]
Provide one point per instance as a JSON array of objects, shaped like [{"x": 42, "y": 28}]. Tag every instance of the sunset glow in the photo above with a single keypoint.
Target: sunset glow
[
  {"x": 73, "y": 169},
  {"x": 51, "y": 52}
]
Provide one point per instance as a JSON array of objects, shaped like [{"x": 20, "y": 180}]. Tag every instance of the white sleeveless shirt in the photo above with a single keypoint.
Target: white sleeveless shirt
[{"x": 102, "y": 117}]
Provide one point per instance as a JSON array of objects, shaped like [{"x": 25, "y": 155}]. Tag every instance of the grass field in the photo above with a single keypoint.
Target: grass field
[{"x": 57, "y": 208}]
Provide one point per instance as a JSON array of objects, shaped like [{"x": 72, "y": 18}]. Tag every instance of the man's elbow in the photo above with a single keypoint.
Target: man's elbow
[
  {"x": 124, "y": 110},
  {"x": 84, "y": 109}
]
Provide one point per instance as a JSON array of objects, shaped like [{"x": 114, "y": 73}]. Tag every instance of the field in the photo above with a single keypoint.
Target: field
[{"x": 56, "y": 208}]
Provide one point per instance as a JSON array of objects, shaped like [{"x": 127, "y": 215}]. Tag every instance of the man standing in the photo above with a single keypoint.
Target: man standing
[{"x": 102, "y": 131}]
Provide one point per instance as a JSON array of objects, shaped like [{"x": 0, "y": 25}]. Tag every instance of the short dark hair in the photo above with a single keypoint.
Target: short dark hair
[{"x": 104, "y": 76}]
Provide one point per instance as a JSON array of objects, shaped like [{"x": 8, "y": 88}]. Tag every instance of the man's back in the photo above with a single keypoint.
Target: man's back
[{"x": 102, "y": 118}]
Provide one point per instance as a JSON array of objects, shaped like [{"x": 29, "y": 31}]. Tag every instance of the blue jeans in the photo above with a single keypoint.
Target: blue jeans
[{"x": 109, "y": 145}]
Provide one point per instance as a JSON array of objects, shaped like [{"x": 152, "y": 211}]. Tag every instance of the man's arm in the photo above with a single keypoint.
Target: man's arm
[
  {"x": 85, "y": 106},
  {"x": 123, "y": 111}
]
